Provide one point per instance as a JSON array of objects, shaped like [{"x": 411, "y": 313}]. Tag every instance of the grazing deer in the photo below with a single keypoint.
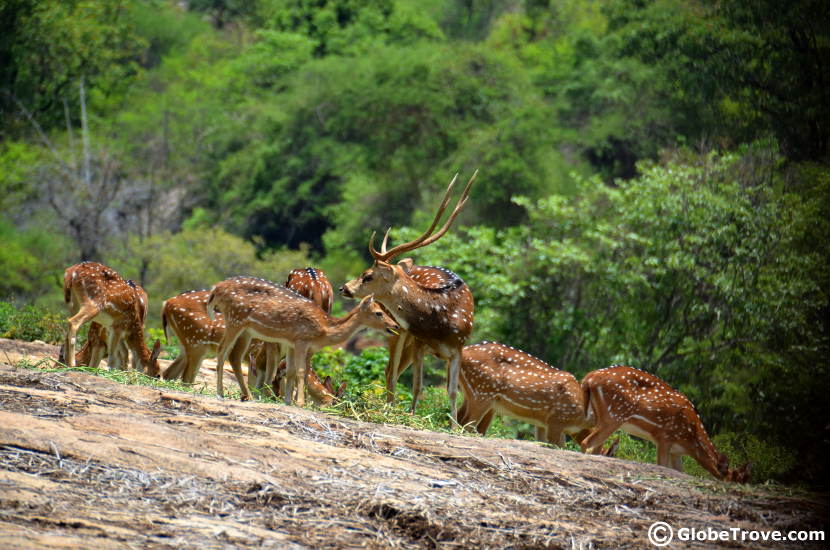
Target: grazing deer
[
  {"x": 434, "y": 306},
  {"x": 95, "y": 292},
  {"x": 498, "y": 379},
  {"x": 322, "y": 392},
  {"x": 187, "y": 315},
  {"x": 95, "y": 348},
  {"x": 261, "y": 309},
  {"x": 620, "y": 397}
]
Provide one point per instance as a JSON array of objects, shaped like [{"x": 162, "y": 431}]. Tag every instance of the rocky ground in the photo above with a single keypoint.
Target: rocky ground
[{"x": 87, "y": 463}]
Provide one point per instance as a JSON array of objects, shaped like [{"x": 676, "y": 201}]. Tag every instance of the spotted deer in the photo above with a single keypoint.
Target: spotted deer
[
  {"x": 314, "y": 285},
  {"x": 499, "y": 379},
  {"x": 433, "y": 305},
  {"x": 95, "y": 292},
  {"x": 187, "y": 316},
  {"x": 95, "y": 348},
  {"x": 261, "y": 309},
  {"x": 621, "y": 397}
]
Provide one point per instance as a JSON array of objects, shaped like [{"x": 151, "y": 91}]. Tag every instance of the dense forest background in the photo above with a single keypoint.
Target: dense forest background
[{"x": 654, "y": 185}]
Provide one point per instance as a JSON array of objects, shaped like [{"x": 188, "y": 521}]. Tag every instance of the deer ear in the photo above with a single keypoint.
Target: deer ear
[
  {"x": 406, "y": 264},
  {"x": 384, "y": 269},
  {"x": 341, "y": 390},
  {"x": 156, "y": 351},
  {"x": 366, "y": 302}
]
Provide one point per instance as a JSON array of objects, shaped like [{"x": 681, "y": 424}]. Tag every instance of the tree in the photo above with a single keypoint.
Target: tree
[
  {"x": 45, "y": 47},
  {"x": 745, "y": 68}
]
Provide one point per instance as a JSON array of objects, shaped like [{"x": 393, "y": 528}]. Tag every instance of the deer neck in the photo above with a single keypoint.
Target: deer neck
[
  {"x": 340, "y": 329},
  {"x": 705, "y": 452}
]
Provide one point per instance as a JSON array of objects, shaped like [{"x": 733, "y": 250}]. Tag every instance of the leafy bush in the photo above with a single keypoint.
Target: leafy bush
[
  {"x": 30, "y": 323},
  {"x": 364, "y": 372}
]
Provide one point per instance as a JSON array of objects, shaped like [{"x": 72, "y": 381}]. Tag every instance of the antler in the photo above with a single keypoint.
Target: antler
[{"x": 427, "y": 237}]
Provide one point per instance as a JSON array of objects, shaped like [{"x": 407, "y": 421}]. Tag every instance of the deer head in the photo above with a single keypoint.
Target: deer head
[{"x": 383, "y": 274}]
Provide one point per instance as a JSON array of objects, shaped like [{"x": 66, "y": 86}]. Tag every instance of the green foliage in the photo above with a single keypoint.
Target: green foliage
[
  {"x": 48, "y": 46},
  {"x": 197, "y": 258},
  {"x": 15, "y": 159},
  {"x": 358, "y": 371},
  {"x": 346, "y": 27},
  {"x": 165, "y": 31},
  {"x": 31, "y": 261},
  {"x": 743, "y": 69},
  {"x": 30, "y": 323}
]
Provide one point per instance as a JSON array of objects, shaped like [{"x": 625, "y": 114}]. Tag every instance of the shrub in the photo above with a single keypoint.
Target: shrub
[{"x": 30, "y": 323}]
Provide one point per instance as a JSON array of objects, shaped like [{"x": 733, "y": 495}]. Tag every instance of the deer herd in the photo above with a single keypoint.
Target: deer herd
[{"x": 424, "y": 309}]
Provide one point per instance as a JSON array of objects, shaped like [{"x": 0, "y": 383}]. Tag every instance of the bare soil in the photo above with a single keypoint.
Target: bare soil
[{"x": 87, "y": 463}]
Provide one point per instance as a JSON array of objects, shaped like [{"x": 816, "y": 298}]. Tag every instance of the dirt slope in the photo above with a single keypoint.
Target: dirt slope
[{"x": 86, "y": 463}]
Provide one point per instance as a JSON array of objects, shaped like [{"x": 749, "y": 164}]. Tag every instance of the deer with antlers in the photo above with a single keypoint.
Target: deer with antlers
[
  {"x": 621, "y": 397},
  {"x": 261, "y": 309},
  {"x": 95, "y": 292},
  {"x": 433, "y": 306},
  {"x": 499, "y": 379}
]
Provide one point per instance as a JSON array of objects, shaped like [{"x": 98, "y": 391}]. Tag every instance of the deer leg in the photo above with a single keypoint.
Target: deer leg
[
  {"x": 579, "y": 436},
  {"x": 280, "y": 378},
  {"x": 417, "y": 379},
  {"x": 290, "y": 376},
  {"x": 96, "y": 345},
  {"x": 84, "y": 314},
  {"x": 272, "y": 357},
  {"x": 452, "y": 381},
  {"x": 176, "y": 367},
  {"x": 462, "y": 412},
  {"x": 663, "y": 455},
  {"x": 479, "y": 414},
  {"x": 125, "y": 356},
  {"x": 192, "y": 363},
  {"x": 677, "y": 461},
  {"x": 593, "y": 443},
  {"x": 555, "y": 434},
  {"x": 484, "y": 423},
  {"x": 236, "y": 355},
  {"x": 541, "y": 433},
  {"x": 228, "y": 340},
  {"x": 301, "y": 360},
  {"x": 114, "y": 340},
  {"x": 475, "y": 413},
  {"x": 393, "y": 370}
]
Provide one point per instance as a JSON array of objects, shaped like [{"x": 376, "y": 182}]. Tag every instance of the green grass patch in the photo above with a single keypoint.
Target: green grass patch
[{"x": 128, "y": 377}]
